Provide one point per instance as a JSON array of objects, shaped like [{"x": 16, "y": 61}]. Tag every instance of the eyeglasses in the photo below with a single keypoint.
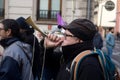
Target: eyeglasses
[
  {"x": 62, "y": 33},
  {"x": 67, "y": 35}
]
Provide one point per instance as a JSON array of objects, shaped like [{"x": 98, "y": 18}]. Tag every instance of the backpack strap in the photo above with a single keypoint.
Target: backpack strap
[
  {"x": 102, "y": 61},
  {"x": 76, "y": 61}
]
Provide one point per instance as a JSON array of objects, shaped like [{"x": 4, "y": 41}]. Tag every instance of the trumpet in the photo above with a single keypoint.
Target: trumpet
[{"x": 31, "y": 23}]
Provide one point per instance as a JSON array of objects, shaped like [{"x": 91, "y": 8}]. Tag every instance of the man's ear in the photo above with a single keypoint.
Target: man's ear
[{"x": 8, "y": 32}]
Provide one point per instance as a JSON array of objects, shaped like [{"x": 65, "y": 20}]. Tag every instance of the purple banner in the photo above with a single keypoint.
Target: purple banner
[{"x": 60, "y": 20}]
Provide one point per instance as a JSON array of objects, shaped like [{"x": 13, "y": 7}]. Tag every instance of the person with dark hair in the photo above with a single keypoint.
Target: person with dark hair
[
  {"x": 110, "y": 41},
  {"x": 28, "y": 36},
  {"x": 98, "y": 41},
  {"x": 118, "y": 35},
  {"x": 17, "y": 56},
  {"x": 51, "y": 64},
  {"x": 78, "y": 37}
]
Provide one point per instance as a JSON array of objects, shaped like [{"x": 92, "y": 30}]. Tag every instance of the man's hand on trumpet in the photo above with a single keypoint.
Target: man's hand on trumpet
[{"x": 52, "y": 40}]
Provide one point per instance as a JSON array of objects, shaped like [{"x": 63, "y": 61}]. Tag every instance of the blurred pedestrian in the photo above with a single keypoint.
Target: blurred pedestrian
[
  {"x": 110, "y": 41},
  {"x": 78, "y": 37},
  {"x": 27, "y": 34},
  {"x": 1, "y": 50},
  {"x": 17, "y": 56},
  {"x": 98, "y": 41},
  {"x": 118, "y": 36}
]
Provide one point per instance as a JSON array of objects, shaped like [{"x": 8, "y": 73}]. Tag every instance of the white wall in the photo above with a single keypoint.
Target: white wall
[
  {"x": 106, "y": 17},
  {"x": 16, "y": 8}
]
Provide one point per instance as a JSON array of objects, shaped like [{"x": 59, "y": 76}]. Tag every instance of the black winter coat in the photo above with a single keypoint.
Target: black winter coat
[{"x": 89, "y": 68}]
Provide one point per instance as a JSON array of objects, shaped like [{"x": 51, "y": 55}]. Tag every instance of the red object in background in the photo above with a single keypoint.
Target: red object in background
[
  {"x": 49, "y": 27},
  {"x": 117, "y": 28}
]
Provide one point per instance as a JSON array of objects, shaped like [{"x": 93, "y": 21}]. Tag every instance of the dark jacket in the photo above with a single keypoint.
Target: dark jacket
[
  {"x": 36, "y": 51},
  {"x": 28, "y": 37},
  {"x": 51, "y": 60},
  {"x": 89, "y": 69},
  {"x": 98, "y": 41}
]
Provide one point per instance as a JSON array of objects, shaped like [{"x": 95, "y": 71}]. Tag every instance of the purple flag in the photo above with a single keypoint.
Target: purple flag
[{"x": 60, "y": 20}]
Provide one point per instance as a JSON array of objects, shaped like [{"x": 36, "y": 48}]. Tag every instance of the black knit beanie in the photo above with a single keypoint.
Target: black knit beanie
[
  {"x": 82, "y": 28},
  {"x": 24, "y": 25}
]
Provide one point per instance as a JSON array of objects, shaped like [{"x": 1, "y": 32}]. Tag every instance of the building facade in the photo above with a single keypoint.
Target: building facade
[
  {"x": 105, "y": 14},
  {"x": 117, "y": 29},
  {"x": 43, "y": 12}
]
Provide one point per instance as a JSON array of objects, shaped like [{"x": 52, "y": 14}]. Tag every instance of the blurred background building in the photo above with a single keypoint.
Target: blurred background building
[
  {"x": 44, "y": 12},
  {"x": 117, "y": 20},
  {"x": 105, "y": 14}
]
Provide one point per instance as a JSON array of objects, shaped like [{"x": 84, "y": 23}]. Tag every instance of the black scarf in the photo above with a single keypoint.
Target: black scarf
[
  {"x": 8, "y": 41},
  {"x": 70, "y": 51}
]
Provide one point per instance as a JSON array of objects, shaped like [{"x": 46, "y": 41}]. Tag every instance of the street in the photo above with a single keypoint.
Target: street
[{"x": 116, "y": 55}]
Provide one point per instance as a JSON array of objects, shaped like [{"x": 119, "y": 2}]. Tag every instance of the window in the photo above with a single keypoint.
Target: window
[
  {"x": 47, "y": 9},
  {"x": 1, "y": 9}
]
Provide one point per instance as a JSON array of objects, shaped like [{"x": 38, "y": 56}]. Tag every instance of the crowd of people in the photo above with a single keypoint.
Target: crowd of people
[{"x": 27, "y": 57}]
